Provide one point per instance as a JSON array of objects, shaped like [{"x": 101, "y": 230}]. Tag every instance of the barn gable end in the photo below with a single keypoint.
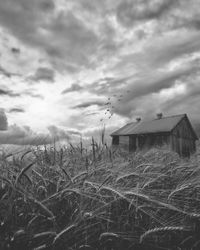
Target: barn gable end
[{"x": 183, "y": 138}]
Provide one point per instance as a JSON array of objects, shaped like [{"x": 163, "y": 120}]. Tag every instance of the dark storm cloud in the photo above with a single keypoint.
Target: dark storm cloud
[
  {"x": 76, "y": 42},
  {"x": 128, "y": 12},
  {"x": 7, "y": 73},
  {"x": 3, "y": 120},
  {"x": 43, "y": 74},
  {"x": 9, "y": 93},
  {"x": 16, "y": 110},
  {"x": 174, "y": 22},
  {"x": 160, "y": 51},
  {"x": 46, "y": 5},
  {"x": 173, "y": 49},
  {"x": 193, "y": 22},
  {"x": 64, "y": 38},
  {"x": 192, "y": 93},
  {"x": 146, "y": 86},
  {"x": 4, "y": 92},
  {"x": 168, "y": 15},
  {"x": 100, "y": 86},
  {"x": 95, "y": 6},
  {"x": 184, "y": 104},
  {"x": 155, "y": 82},
  {"x": 67, "y": 41},
  {"x": 88, "y": 104},
  {"x": 185, "y": 14},
  {"x": 21, "y": 17},
  {"x": 108, "y": 85},
  {"x": 74, "y": 87}
]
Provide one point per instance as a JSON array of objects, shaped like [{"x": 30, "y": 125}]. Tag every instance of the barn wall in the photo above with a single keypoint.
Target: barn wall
[
  {"x": 153, "y": 140},
  {"x": 124, "y": 142},
  {"x": 140, "y": 142},
  {"x": 182, "y": 139},
  {"x": 132, "y": 143}
]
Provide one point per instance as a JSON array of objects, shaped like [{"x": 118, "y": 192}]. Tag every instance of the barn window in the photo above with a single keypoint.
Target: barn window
[{"x": 115, "y": 140}]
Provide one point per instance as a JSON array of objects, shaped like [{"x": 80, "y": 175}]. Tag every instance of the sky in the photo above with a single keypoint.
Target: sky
[{"x": 70, "y": 67}]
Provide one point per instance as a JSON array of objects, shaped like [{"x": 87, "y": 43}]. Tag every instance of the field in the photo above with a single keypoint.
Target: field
[{"x": 99, "y": 198}]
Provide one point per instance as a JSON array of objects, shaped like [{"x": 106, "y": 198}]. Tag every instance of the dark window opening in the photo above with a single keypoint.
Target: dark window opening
[{"x": 115, "y": 140}]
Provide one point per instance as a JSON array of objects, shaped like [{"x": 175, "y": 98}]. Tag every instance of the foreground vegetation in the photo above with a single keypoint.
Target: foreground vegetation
[{"x": 73, "y": 198}]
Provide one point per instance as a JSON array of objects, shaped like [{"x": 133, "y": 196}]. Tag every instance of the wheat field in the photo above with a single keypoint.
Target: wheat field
[{"x": 99, "y": 198}]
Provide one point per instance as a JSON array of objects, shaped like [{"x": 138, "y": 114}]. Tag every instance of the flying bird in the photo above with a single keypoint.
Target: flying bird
[{"x": 15, "y": 50}]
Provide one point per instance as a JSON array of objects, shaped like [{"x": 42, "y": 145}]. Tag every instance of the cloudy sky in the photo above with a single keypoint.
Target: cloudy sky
[{"x": 70, "y": 66}]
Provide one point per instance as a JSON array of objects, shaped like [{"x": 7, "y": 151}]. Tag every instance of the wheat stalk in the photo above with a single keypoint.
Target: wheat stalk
[{"x": 162, "y": 230}]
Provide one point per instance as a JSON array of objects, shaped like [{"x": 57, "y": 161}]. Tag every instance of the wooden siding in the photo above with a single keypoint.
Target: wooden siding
[
  {"x": 182, "y": 139},
  {"x": 153, "y": 140},
  {"x": 124, "y": 142},
  {"x": 132, "y": 143}
]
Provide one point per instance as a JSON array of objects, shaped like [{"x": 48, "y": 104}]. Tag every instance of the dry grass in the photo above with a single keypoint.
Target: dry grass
[{"x": 99, "y": 198}]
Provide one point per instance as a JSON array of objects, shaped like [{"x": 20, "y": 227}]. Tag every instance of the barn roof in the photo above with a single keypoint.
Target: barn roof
[
  {"x": 164, "y": 124},
  {"x": 125, "y": 130}
]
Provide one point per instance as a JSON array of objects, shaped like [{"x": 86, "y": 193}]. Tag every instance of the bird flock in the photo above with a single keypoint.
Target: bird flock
[{"x": 110, "y": 106}]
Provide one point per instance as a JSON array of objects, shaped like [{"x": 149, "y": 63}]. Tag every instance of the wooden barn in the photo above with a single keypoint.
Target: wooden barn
[{"x": 174, "y": 132}]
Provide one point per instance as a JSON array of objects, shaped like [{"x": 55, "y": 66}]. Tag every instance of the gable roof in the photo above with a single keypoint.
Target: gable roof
[
  {"x": 125, "y": 130},
  {"x": 165, "y": 124}
]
